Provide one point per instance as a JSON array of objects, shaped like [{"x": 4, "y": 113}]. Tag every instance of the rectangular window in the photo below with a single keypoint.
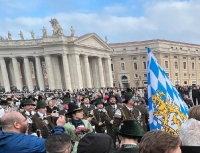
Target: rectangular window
[
  {"x": 136, "y": 75},
  {"x": 193, "y": 66},
  {"x": 175, "y": 65},
  {"x": 166, "y": 64},
  {"x": 144, "y": 65},
  {"x": 184, "y": 65},
  {"x": 145, "y": 75},
  {"x": 122, "y": 66},
  {"x": 134, "y": 58},
  {"x": 185, "y": 82},
  {"x": 176, "y": 74},
  {"x": 112, "y": 67},
  {"x": 135, "y": 66},
  {"x": 185, "y": 74},
  {"x": 175, "y": 56}
]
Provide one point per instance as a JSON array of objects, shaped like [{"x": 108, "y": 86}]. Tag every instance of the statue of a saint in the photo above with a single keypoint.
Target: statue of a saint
[
  {"x": 57, "y": 30},
  {"x": 21, "y": 35},
  {"x": 72, "y": 31},
  {"x": 32, "y": 34},
  {"x": 9, "y": 36},
  {"x": 106, "y": 39},
  {"x": 44, "y": 31}
]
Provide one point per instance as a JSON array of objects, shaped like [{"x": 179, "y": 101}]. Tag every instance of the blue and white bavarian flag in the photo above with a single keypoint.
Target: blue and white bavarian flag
[{"x": 167, "y": 110}]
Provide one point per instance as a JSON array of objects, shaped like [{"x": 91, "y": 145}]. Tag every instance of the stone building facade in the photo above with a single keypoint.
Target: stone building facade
[
  {"x": 55, "y": 62},
  {"x": 181, "y": 61}
]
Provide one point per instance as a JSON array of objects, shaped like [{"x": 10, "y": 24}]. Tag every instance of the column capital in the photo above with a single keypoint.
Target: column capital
[
  {"x": 64, "y": 54},
  {"x": 85, "y": 55}
]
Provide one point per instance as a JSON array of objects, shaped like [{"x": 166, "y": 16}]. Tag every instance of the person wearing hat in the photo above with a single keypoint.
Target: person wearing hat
[
  {"x": 139, "y": 104},
  {"x": 41, "y": 122},
  {"x": 129, "y": 134},
  {"x": 99, "y": 116},
  {"x": 3, "y": 107},
  {"x": 127, "y": 112},
  {"x": 111, "y": 109},
  {"x": 87, "y": 108},
  {"x": 77, "y": 127},
  {"x": 51, "y": 108},
  {"x": 66, "y": 100},
  {"x": 28, "y": 107}
]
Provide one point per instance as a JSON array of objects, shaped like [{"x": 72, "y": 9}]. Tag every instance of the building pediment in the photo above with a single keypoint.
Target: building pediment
[{"x": 94, "y": 41}]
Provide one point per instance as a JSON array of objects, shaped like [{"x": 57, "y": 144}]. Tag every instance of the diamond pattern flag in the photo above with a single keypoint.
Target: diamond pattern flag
[{"x": 167, "y": 110}]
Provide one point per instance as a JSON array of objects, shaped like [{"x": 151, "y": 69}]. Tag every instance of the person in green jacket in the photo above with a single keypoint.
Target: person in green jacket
[{"x": 77, "y": 127}]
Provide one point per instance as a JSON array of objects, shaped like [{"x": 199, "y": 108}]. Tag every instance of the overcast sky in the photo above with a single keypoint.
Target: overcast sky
[{"x": 119, "y": 20}]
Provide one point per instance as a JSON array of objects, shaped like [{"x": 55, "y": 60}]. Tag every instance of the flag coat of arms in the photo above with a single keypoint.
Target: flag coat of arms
[{"x": 167, "y": 110}]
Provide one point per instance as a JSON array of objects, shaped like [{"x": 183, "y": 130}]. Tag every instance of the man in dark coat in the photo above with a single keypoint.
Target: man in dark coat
[
  {"x": 41, "y": 122},
  {"x": 111, "y": 109},
  {"x": 99, "y": 116},
  {"x": 129, "y": 134},
  {"x": 87, "y": 108},
  {"x": 127, "y": 112},
  {"x": 28, "y": 106}
]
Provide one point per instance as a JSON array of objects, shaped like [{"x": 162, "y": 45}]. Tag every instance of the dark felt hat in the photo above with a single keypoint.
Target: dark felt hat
[
  {"x": 67, "y": 98},
  {"x": 128, "y": 96},
  {"x": 4, "y": 102},
  {"x": 72, "y": 108},
  {"x": 41, "y": 104},
  {"x": 99, "y": 101},
  {"x": 28, "y": 102},
  {"x": 86, "y": 96},
  {"x": 129, "y": 128},
  {"x": 111, "y": 96}
]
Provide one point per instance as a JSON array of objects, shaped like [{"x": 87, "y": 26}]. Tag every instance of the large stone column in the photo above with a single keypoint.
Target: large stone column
[
  {"x": 18, "y": 82},
  {"x": 28, "y": 76},
  {"x": 87, "y": 72},
  {"x": 50, "y": 72},
  {"x": 56, "y": 71},
  {"x": 4, "y": 72},
  {"x": 66, "y": 72},
  {"x": 39, "y": 74},
  {"x": 77, "y": 71},
  {"x": 108, "y": 72},
  {"x": 101, "y": 76}
]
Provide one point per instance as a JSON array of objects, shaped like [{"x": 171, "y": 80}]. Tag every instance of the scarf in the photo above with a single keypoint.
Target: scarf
[{"x": 77, "y": 123}]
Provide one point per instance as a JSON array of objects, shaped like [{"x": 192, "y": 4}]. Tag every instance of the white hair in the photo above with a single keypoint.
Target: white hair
[{"x": 190, "y": 133}]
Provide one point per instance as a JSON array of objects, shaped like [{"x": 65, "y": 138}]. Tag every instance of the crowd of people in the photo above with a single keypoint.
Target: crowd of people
[{"x": 89, "y": 120}]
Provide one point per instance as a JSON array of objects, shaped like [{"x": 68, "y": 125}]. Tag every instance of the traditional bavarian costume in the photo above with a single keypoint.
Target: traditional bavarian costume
[{"x": 73, "y": 127}]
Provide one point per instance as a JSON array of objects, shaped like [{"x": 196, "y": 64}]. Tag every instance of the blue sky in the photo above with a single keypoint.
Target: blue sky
[{"x": 119, "y": 20}]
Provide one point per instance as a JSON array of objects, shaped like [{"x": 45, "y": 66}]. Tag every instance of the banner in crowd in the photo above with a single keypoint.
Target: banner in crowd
[{"x": 167, "y": 110}]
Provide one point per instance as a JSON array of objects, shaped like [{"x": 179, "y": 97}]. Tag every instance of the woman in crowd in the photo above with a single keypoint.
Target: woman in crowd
[{"x": 77, "y": 127}]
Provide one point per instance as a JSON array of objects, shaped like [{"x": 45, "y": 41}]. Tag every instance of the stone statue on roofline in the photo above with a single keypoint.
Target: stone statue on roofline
[
  {"x": 21, "y": 35},
  {"x": 32, "y": 34},
  {"x": 9, "y": 36},
  {"x": 72, "y": 31},
  {"x": 106, "y": 39},
  {"x": 57, "y": 30},
  {"x": 44, "y": 31}
]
